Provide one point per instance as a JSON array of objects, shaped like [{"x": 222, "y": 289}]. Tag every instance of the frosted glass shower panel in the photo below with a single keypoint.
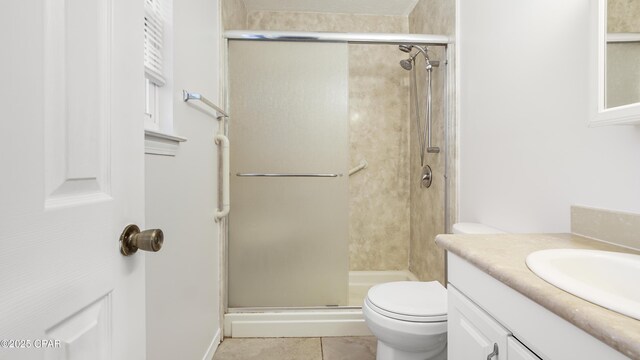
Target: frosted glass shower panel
[
  {"x": 288, "y": 235},
  {"x": 623, "y": 74}
]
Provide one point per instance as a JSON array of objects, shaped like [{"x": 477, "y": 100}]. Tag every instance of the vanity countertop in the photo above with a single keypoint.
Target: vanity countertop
[{"x": 503, "y": 257}]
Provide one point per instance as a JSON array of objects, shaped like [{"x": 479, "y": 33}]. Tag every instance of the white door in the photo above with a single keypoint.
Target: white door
[
  {"x": 71, "y": 155},
  {"x": 472, "y": 333}
]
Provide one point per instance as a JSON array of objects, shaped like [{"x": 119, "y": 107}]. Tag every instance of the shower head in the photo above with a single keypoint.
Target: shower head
[
  {"x": 405, "y": 48},
  {"x": 407, "y": 64}
]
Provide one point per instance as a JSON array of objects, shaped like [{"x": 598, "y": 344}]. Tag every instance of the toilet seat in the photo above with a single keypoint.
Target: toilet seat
[{"x": 412, "y": 301}]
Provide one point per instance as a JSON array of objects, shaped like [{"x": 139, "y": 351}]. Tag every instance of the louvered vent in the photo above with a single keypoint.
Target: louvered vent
[{"x": 153, "y": 29}]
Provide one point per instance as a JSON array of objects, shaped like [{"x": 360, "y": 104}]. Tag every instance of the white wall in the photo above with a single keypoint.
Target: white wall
[
  {"x": 181, "y": 197},
  {"x": 526, "y": 151}
]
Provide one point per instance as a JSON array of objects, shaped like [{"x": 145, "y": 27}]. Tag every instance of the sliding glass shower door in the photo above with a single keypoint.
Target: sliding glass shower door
[{"x": 288, "y": 229}]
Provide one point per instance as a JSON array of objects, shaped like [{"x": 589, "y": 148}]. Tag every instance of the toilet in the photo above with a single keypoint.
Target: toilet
[
  {"x": 474, "y": 228},
  {"x": 409, "y": 318}
]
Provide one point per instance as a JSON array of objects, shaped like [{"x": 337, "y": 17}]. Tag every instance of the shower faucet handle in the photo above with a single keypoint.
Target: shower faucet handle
[{"x": 427, "y": 177}]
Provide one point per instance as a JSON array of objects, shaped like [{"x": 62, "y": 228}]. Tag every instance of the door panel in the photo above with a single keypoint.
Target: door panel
[
  {"x": 76, "y": 88},
  {"x": 71, "y": 142},
  {"x": 288, "y": 236},
  {"x": 84, "y": 335}
]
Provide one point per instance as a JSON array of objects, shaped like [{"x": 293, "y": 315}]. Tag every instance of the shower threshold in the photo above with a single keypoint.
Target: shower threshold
[{"x": 312, "y": 321}]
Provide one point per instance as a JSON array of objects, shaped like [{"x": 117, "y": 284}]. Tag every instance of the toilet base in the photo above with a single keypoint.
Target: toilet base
[{"x": 386, "y": 352}]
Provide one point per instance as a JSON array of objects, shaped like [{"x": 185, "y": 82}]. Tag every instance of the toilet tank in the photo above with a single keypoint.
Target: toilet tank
[{"x": 474, "y": 228}]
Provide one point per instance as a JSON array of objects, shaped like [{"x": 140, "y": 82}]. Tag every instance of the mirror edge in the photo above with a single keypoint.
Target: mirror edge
[{"x": 601, "y": 116}]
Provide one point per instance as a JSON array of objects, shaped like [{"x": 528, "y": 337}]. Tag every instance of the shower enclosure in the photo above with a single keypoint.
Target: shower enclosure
[
  {"x": 288, "y": 239},
  {"x": 289, "y": 230}
]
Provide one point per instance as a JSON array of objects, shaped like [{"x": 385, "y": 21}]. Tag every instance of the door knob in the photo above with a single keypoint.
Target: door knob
[{"x": 133, "y": 239}]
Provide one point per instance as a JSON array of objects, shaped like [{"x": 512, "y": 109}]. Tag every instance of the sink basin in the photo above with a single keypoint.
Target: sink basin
[{"x": 608, "y": 279}]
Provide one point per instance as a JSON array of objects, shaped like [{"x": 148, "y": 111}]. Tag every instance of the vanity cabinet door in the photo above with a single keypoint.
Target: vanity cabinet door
[
  {"x": 517, "y": 351},
  {"x": 473, "y": 334}
]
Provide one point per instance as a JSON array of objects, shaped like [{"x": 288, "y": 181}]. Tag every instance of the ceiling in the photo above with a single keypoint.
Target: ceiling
[{"x": 373, "y": 7}]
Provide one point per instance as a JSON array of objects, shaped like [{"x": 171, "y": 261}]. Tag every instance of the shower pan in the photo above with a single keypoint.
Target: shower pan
[{"x": 287, "y": 243}]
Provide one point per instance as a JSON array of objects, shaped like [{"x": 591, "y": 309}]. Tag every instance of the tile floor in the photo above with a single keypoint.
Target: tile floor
[{"x": 326, "y": 348}]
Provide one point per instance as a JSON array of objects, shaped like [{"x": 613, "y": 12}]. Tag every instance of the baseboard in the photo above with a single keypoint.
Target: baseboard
[
  {"x": 296, "y": 324},
  {"x": 213, "y": 346}
]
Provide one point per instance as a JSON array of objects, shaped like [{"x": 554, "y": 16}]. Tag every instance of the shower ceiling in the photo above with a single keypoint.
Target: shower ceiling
[{"x": 371, "y": 7}]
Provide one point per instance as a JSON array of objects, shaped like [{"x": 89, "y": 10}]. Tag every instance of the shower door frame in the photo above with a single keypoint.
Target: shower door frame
[{"x": 450, "y": 125}]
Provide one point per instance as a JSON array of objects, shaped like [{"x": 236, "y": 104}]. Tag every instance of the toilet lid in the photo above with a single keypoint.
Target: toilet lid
[{"x": 410, "y": 300}]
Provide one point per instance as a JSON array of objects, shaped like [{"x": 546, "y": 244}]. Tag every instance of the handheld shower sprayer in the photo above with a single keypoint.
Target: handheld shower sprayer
[
  {"x": 405, "y": 48},
  {"x": 423, "y": 130}
]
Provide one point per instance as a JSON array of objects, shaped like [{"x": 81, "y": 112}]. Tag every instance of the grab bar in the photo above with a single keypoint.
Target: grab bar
[
  {"x": 223, "y": 141},
  {"x": 623, "y": 37},
  {"x": 363, "y": 165},
  {"x": 287, "y": 175},
  {"x": 186, "y": 96}
]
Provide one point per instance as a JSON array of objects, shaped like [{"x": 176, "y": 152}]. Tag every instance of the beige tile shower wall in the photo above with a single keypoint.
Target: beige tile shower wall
[
  {"x": 300, "y": 21},
  {"x": 427, "y": 205},
  {"x": 379, "y": 134},
  {"x": 234, "y": 15},
  {"x": 623, "y": 16}
]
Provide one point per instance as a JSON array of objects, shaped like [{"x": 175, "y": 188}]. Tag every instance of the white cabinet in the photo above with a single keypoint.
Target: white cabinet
[
  {"x": 474, "y": 334},
  {"x": 483, "y": 311},
  {"x": 517, "y": 351}
]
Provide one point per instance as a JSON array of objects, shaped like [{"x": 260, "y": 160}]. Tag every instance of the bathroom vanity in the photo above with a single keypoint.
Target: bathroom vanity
[
  {"x": 499, "y": 309},
  {"x": 474, "y": 332}
]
